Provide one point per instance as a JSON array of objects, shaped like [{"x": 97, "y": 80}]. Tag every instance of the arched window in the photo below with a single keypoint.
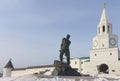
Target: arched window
[
  {"x": 110, "y": 53},
  {"x": 95, "y": 54},
  {"x": 75, "y": 62},
  {"x": 104, "y": 68},
  {"x": 103, "y": 28}
]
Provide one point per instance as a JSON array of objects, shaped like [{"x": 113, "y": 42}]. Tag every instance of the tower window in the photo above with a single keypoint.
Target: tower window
[
  {"x": 102, "y": 45},
  {"x": 95, "y": 54},
  {"x": 103, "y": 28},
  {"x": 75, "y": 62},
  {"x": 110, "y": 53},
  {"x": 113, "y": 70},
  {"x": 81, "y": 69}
]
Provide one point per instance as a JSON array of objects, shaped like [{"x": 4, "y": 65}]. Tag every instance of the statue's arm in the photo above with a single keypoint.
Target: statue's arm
[{"x": 63, "y": 40}]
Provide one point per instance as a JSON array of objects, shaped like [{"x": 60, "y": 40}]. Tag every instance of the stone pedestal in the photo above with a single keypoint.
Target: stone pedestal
[{"x": 63, "y": 69}]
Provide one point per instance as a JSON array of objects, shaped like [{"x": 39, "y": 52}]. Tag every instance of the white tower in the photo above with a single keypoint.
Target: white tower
[
  {"x": 7, "y": 69},
  {"x": 105, "y": 52},
  {"x": 105, "y": 38}
]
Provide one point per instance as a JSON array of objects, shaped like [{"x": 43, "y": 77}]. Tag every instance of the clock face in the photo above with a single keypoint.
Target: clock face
[
  {"x": 95, "y": 43},
  {"x": 112, "y": 41}
]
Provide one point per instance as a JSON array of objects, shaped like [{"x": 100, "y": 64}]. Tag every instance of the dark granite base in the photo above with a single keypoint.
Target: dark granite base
[{"x": 63, "y": 69}]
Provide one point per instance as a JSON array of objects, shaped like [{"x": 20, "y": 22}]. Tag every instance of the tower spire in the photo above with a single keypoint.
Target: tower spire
[
  {"x": 104, "y": 18},
  {"x": 9, "y": 64},
  {"x": 104, "y": 26}
]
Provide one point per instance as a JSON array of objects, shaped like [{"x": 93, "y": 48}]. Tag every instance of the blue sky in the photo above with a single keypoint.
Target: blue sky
[{"x": 31, "y": 30}]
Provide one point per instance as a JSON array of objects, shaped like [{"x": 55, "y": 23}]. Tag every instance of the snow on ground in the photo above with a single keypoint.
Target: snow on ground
[
  {"x": 7, "y": 79},
  {"x": 108, "y": 76},
  {"x": 35, "y": 78},
  {"x": 48, "y": 73}
]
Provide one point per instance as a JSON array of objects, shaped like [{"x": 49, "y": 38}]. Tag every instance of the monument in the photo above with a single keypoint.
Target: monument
[
  {"x": 64, "y": 68},
  {"x": 65, "y": 49}
]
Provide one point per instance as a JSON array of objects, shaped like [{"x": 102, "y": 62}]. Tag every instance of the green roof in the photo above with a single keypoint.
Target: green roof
[
  {"x": 81, "y": 58},
  {"x": 85, "y": 58},
  {"x": 75, "y": 57}
]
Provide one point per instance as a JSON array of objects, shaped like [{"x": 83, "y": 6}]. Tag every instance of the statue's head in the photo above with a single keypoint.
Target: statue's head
[{"x": 68, "y": 36}]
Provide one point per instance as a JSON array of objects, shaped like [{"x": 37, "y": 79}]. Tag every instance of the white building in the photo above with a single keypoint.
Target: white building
[
  {"x": 9, "y": 70},
  {"x": 104, "y": 55}
]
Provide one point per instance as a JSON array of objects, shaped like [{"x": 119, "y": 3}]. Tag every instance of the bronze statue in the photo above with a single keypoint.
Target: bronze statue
[
  {"x": 65, "y": 49},
  {"x": 62, "y": 68}
]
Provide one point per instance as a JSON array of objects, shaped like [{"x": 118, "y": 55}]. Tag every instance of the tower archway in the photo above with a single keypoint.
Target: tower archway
[{"x": 103, "y": 68}]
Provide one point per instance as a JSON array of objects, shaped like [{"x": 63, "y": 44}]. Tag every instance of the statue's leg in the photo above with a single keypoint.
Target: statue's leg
[
  {"x": 68, "y": 57},
  {"x": 61, "y": 57},
  {"x": 68, "y": 60}
]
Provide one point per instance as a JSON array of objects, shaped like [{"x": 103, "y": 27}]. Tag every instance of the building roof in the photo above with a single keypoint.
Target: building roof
[
  {"x": 85, "y": 58},
  {"x": 75, "y": 58},
  {"x": 9, "y": 64},
  {"x": 19, "y": 69},
  {"x": 81, "y": 58},
  {"x": 31, "y": 67},
  {"x": 43, "y": 66}
]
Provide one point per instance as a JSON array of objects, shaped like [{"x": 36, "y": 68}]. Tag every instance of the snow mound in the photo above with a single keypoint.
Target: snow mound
[
  {"x": 109, "y": 76},
  {"x": 33, "y": 78},
  {"x": 7, "y": 79},
  {"x": 101, "y": 77}
]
